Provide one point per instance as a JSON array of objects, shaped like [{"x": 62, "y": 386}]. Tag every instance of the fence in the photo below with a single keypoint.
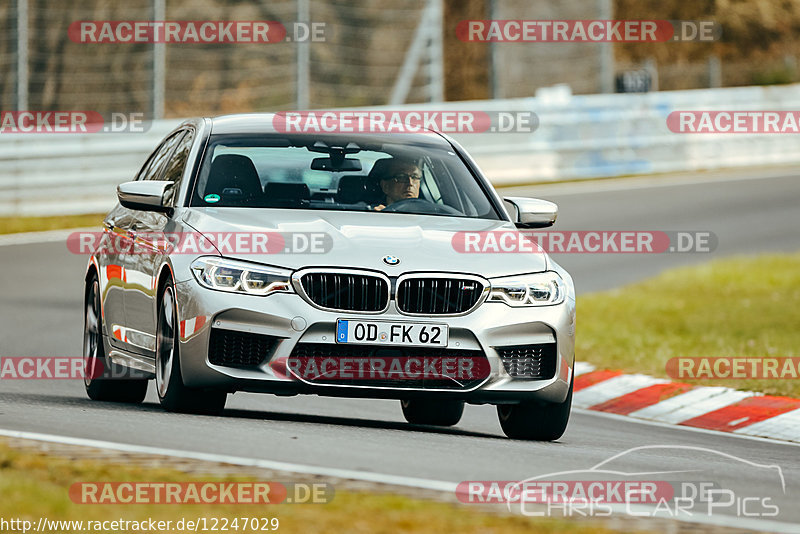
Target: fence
[
  {"x": 362, "y": 54},
  {"x": 372, "y": 52},
  {"x": 579, "y": 136}
]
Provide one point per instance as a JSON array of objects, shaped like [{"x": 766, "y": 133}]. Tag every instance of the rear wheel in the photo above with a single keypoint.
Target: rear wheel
[
  {"x": 537, "y": 421},
  {"x": 433, "y": 412},
  {"x": 172, "y": 393},
  {"x": 99, "y": 372}
]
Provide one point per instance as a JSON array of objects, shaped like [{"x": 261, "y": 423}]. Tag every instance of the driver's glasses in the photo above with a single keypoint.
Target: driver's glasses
[{"x": 406, "y": 178}]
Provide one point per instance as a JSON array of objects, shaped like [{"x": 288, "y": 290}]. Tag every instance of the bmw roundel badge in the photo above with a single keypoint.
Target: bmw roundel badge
[{"x": 391, "y": 260}]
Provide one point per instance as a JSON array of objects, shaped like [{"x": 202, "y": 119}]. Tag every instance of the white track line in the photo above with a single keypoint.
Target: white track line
[
  {"x": 367, "y": 476},
  {"x": 582, "y": 187},
  {"x": 719, "y": 433},
  {"x": 51, "y": 236},
  {"x": 590, "y": 185},
  {"x": 437, "y": 485}
]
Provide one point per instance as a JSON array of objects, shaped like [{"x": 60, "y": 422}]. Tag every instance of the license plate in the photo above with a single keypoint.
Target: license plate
[{"x": 389, "y": 333}]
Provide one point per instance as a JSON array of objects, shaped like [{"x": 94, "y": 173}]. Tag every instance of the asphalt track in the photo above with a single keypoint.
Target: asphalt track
[{"x": 750, "y": 212}]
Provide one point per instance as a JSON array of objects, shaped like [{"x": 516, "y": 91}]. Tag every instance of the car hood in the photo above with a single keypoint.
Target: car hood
[{"x": 364, "y": 239}]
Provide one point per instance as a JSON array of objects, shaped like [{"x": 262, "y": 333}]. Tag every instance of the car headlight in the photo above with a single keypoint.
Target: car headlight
[
  {"x": 538, "y": 289},
  {"x": 241, "y": 277}
]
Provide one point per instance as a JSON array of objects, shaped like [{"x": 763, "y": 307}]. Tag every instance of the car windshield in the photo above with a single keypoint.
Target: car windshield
[{"x": 358, "y": 174}]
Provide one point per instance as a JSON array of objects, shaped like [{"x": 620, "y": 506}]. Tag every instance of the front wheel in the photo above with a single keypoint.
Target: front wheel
[
  {"x": 433, "y": 412},
  {"x": 173, "y": 395},
  {"x": 537, "y": 421}
]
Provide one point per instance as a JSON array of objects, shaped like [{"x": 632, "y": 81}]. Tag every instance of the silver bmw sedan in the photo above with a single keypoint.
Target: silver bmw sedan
[{"x": 374, "y": 265}]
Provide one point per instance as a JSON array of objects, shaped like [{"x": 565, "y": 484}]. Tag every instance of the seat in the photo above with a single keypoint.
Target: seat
[
  {"x": 286, "y": 195},
  {"x": 235, "y": 179},
  {"x": 351, "y": 190},
  {"x": 380, "y": 169}
]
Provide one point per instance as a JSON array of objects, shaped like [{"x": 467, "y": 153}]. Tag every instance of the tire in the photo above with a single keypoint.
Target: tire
[
  {"x": 95, "y": 362},
  {"x": 432, "y": 412},
  {"x": 173, "y": 395},
  {"x": 537, "y": 421}
]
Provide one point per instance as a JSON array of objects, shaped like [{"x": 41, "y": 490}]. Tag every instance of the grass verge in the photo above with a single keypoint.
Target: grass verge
[
  {"x": 35, "y": 485},
  {"x": 12, "y": 225},
  {"x": 740, "y": 307}
]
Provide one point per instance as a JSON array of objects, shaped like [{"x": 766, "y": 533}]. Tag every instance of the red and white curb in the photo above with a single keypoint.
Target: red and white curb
[{"x": 713, "y": 408}]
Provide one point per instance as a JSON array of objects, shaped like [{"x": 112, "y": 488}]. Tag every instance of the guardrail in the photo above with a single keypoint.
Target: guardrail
[
  {"x": 591, "y": 136},
  {"x": 579, "y": 136}
]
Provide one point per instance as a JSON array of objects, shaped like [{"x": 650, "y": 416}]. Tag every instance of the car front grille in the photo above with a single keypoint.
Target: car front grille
[
  {"x": 368, "y": 355},
  {"x": 346, "y": 291},
  {"x": 438, "y": 296},
  {"x": 529, "y": 361},
  {"x": 231, "y": 348}
]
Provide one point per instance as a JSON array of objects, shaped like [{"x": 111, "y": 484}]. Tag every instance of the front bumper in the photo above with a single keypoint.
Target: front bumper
[{"x": 292, "y": 320}]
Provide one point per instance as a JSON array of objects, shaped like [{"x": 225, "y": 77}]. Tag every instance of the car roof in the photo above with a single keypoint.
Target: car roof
[{"x": 262, "y": 123}]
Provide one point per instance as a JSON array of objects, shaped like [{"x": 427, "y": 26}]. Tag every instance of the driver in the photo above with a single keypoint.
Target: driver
[{"x": 400, "y": 182}]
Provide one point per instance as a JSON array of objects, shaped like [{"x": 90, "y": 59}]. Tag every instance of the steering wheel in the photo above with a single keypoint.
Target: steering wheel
[{"x": 420, "y": 206}]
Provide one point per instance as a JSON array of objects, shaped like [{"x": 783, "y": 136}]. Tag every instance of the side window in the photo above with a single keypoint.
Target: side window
[
  {"x": 154, "y": 166},
  {"x": 451, "y": 194},
  {"x": 146, "y": 167},
  {"x": 173, "y": 171},
  {"x": 176, "y": 165},
  {"x": 430, "y": 184}
]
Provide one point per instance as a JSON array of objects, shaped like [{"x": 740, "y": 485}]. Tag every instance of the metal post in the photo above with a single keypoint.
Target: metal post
[
  {"x": 402, "y": 85},
  {"x": 790, "y": 64},
  {"x": 159, "y": 63},
  {"x": 494, "y": 83},
  {"x": 436, "y": 52},
  {"x": 22, "y": 55},
  {"x": 714, "y": 72},
  {"x": 303, "y": 58},
  {"x": 427, "y": 41},
  {"x": 651, "y": 67},
  {"x": 606, "y": 12}
]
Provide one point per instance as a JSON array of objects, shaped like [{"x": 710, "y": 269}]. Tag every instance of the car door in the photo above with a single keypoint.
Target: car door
[
  {"x": 124, "y": 333},
  {"x": 111, "y": 270},
  {"x": 150, "y": 230}
]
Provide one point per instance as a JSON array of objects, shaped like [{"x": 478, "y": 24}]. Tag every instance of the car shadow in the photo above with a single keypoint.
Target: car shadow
[
  {"x": 350, "y": 421},
  {"x": 237, "y": 413}
]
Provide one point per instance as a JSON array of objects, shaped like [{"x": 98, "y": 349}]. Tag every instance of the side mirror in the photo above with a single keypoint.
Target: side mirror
[
  {"x": 147, "y": 195},
  {"x": 533, "y": 212}
]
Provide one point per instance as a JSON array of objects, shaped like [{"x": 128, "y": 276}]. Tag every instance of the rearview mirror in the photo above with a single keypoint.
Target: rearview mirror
[
  {"x": 327, "y": 164},
  {"x": 533, "y": 212},
  {"x": 147, "y": 195}
]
